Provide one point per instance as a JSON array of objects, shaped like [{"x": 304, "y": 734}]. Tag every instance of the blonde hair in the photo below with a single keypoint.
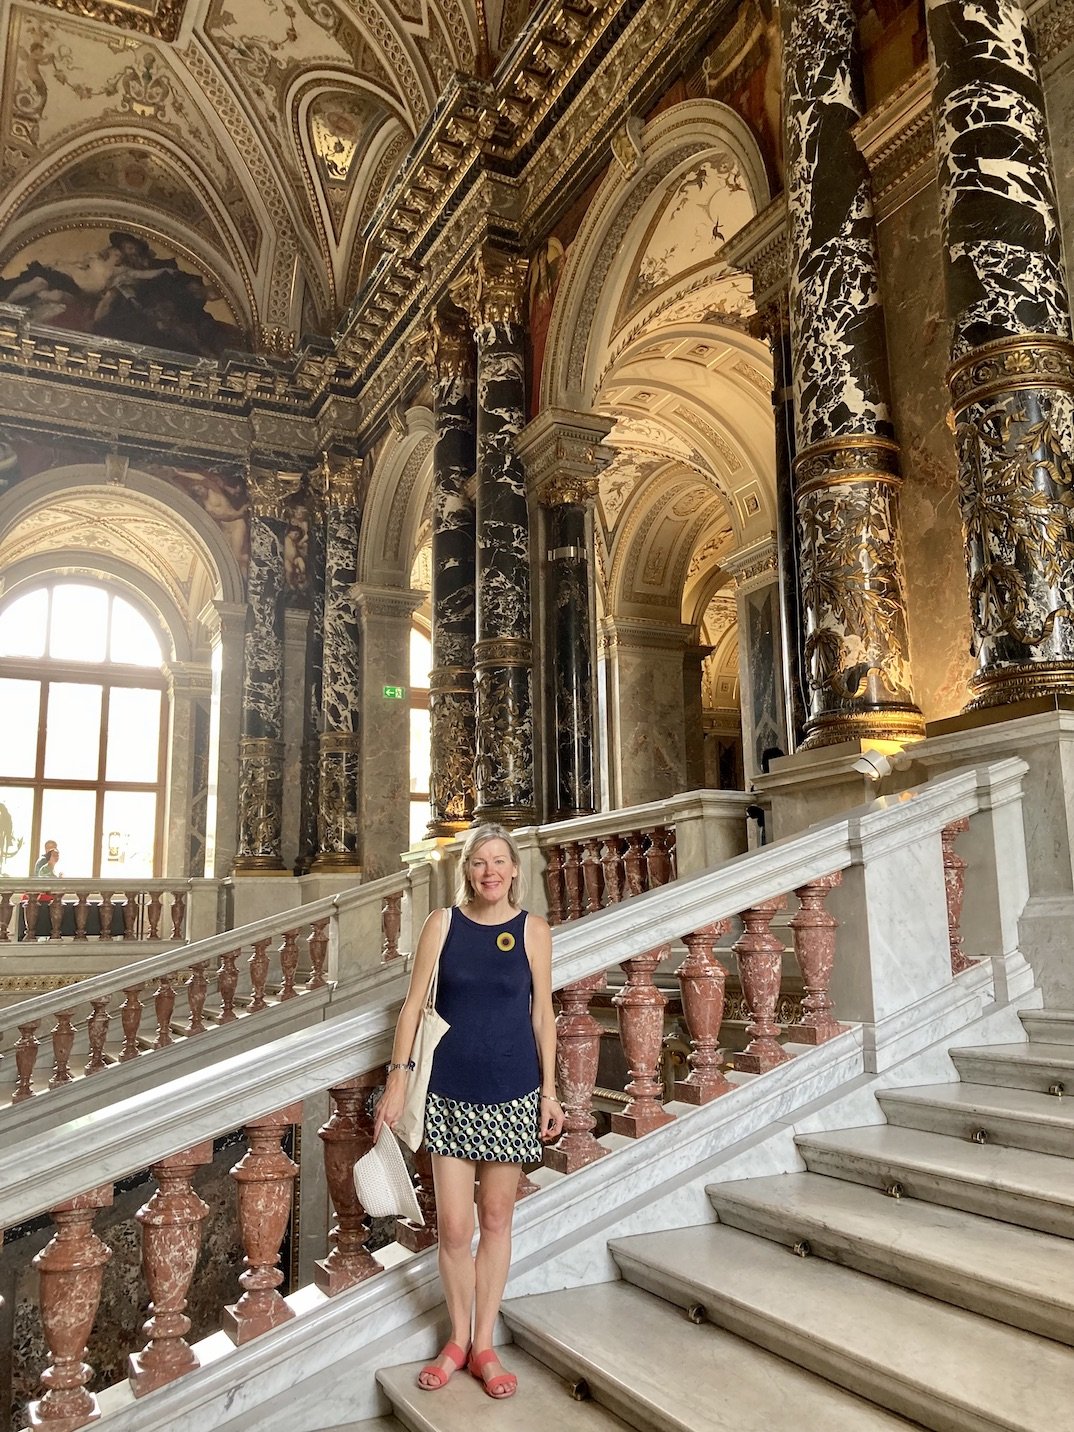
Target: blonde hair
[{"x": 479, "y": 836}]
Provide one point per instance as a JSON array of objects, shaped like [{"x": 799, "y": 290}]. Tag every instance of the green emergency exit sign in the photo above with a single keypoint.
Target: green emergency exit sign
[{"x": 394, "y": 693}]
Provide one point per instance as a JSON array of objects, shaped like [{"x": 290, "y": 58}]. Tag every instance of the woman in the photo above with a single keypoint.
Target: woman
[{"x": 491, "y": 1096}]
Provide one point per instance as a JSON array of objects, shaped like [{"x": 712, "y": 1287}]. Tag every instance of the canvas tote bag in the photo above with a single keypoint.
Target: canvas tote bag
[{"x": 410, "y": 1125}]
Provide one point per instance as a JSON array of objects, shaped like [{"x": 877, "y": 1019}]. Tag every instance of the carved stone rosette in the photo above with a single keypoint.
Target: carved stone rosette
[
  {"x": 853, "y": 606},
  {"x": 853, "y": 584},
  {"x": 503, "y": 655},
  {"x": 451, "y": 680},
  {"x": 1012, "y": 378},
  {"x": 337, "y": 796}
]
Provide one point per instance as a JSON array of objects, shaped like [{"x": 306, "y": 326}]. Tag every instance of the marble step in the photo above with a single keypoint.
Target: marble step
[
  {"x": 1012, "y": 1185},
  {"x": 543, "y": 1401},
  {"x": 1034, "y": 1066},
  {"x": 1015, "y": 1275},
  {"x": 942, "y": 1367},
  {"x": 660, "y": 1373},
  {"x": 1049, "y": 1026},
  {"x": 1017, "y": 1118}
]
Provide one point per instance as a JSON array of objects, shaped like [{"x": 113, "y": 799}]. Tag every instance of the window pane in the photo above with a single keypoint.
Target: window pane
[
  {"x": 133, "y": 735},
  {"x": 23, "y": 625},
  {"x": 20, "y": 705},
  {"x": 67, "y": 818},
  {"x": 419, "y": 750},
  {"x": 73, "y": 732},
  {"x": 419, "y": 820},
  {"x": 133, "y": 640},
  {"x": 129, "y": 834},
  {"x": 17, "y": 855},
  {"x": 79, "y": 627},
  {"x": 421, "y": 658}
]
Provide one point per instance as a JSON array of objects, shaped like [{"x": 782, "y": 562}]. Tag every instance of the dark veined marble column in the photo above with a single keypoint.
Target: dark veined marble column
[
  {"x": 1012, "y": 373},
  {"x": 309, "y": 828},
  {"x": 454, "y": 557},
  {"x": 571, "y": 634},
  {"x": 847, "y": 477},
  {"x": 503, "y": 655},
  {"x": 337, "y": 809},
  {"x": 261, "y": 744}
]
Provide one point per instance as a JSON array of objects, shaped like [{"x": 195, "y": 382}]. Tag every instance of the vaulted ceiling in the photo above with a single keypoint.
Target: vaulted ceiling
[{"x": 246, "y": 142}]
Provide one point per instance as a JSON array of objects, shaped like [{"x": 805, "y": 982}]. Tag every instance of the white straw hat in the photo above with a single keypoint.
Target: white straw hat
[{"x": 382, "y": 1181}]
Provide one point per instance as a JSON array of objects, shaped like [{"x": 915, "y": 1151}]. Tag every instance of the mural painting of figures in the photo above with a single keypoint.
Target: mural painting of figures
[
  {"x": 222, "y": 493},
  {"x": 115, "y": 284}
]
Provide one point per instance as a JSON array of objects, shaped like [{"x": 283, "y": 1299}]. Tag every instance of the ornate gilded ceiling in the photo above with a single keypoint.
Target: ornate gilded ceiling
[{"x": 238, "y": 147}]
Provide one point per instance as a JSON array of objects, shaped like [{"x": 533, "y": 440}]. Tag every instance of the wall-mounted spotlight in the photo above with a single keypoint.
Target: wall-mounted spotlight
[{"x": 873, "y": 766}]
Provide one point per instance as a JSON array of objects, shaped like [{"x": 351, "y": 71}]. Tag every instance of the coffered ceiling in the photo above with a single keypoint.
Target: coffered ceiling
[{"x": 246, "y": 142}]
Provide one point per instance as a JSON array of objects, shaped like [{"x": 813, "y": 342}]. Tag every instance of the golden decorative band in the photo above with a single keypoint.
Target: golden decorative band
[
  {"x": 451, "y": 680},
  {"x": 339, "y": 743},
  {"x": 503, "y": 651},
  {"x": 1037, "y": 360},
  {"x": 569, "y": 489},
  {"x": 1002, "y": 685},
  {"x": 855, "y": 458},
  {"x": 885, "y": 723}
]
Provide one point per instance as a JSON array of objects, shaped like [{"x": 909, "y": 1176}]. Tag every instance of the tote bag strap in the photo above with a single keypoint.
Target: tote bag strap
[{"x": 445, "y": 926}]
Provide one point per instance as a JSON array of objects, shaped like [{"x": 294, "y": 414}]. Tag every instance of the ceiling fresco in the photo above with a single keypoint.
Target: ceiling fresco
[{"x": 246, "y": 142}]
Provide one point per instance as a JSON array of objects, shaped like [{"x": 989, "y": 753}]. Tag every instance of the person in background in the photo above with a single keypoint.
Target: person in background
[{"x": 46, "y": 865}]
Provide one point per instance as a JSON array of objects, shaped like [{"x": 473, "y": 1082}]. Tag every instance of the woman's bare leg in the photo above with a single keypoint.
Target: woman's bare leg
[
  {"x": 496, "y": 1193},
  {"x": 453, "y": 1180}
]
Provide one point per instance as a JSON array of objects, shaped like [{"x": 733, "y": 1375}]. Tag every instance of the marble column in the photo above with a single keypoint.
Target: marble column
[
  {"x": 454, "y": 562},
  {"x": 760, "y": 640},
  {"x": 225, "y": 625},
  {"x": 847, "y": 474},
  {"x": 493, "y": 295},
  {"x": 1012, "y": 373},
  {"x": 386, "y": 616},
  {"x": 188, "y": 683},
  {"x": 295, "y": 641},
  {"x": 261, "y": 746},
  {"x": 340, "y": 723}
]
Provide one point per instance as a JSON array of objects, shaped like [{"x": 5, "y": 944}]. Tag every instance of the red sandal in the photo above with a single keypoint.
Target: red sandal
[
  {"x": 501, "y": 1385},
  {"x": 454, "y": 1353}
]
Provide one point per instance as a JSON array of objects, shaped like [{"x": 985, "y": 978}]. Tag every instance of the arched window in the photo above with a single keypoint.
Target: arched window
[
  {"x": 421, "y": 660},
  {"x": 85, "y": 718}
]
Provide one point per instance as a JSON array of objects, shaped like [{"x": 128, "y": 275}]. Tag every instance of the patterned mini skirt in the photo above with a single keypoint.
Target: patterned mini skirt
[{"x": 485, "y": 1133}]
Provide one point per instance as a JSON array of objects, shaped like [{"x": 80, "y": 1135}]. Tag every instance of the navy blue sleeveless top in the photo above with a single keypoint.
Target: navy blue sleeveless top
[{"x": 489, "y": 1055}]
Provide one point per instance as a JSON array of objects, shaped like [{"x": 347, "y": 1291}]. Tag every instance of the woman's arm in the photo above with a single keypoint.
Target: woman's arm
[
  {"x": 539, "y": 951},
  {"x": 390, "y": 1105}
]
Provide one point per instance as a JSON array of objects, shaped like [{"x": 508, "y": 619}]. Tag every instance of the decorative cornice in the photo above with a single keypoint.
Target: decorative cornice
[
  {"x": 161, "y": 19},
  {"x": 562, "y": 453},
  {"x": 397, "y": 603},
  {"x": 646, "y": 635},
  {"x": 896, "y": 139},
  {"x": 1052, "y": 23},
  {"x": 753, "y": 566},
  {"x": 760, "y": 249}
]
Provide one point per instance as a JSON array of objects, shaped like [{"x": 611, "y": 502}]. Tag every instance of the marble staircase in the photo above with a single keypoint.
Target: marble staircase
[{"x": 933, "y": 1284}]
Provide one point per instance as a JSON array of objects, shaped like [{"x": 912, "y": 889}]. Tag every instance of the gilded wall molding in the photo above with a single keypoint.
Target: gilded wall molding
[{"x": 896, "y": 139}]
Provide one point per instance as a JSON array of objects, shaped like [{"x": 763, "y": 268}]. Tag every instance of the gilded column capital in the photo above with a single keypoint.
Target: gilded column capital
[
  {"x": 569, "y": 489},
  {"x": 493, "y": 289},
  {"x": 344, "y": 483},
  {"x": 269, "y": 489}
]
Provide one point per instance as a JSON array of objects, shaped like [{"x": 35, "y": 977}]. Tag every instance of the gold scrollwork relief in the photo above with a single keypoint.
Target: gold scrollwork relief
[
  {"x": 503, "y": 651},
  {"x": 1038, "y": 361}
]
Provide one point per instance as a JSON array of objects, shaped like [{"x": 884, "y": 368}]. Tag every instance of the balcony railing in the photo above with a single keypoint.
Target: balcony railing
[
  {"x": 85, "y": 910},
  {"x": 869, "y": 955}
]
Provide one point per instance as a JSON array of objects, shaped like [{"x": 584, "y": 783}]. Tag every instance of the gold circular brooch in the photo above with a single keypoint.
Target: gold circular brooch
[{"x": 506, "y": 941}]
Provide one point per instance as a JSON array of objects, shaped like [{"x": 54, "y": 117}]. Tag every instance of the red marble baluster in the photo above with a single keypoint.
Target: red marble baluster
[
  {"x": 156, "y": 905},
  {"x": 197, "y": 990},
  {"x": 814, "y": 949},
  {"x": 63, "y": 1041},
  {"x": 592, "y": 874},
  {"x": 346, "y": 1136},
  {"x": 25, "y": 1058},
  {"x": 178, "y": 913},
  {"x": 6, "y": 912},
  {"x": 657, "y": 864},
  {"x": 70, "y": 1270},
  {"x": 641, "y": 1031},
  {"x": 703, "y": 980},
  {"x": 30, "y": 932},
  {"x": 612, "y": 861},
  {"x": 634, "y": 864},
  {"x": 97, "y": 1030},
  {"x": 954, "y": 879},
  {"x": 572, "y": 881},
  {"x": 415, "y": 1236},
  {"x": 171, "y": 1236},
  {"x": 164, "y": 1006},
  {"x": 106, "y": 915},
  {"x": 391, "y": 922},
  {"x": 131, "y": 1018},
  {"x": 288, "y": 965},
  {"x": 577, "y": 1056},
  {"x": 55, "y": 916},
  {"x": 130, "y": 908},
  {"x": 318, "y": 948},
  {"x": 227, "y": 982},
  {"x": 81, "y": 912},
  {"x": 553, "y": 879},
  {"x": 526, "y": 1185},
  {"x": 259, "y": 968},
  {"x": 671, "y": 850},
  {"x": 265, "y": 1176},
  {"x": 760, "y": 969}
]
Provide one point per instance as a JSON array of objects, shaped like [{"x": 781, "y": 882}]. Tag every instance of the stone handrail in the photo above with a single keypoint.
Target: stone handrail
[
  {"x": 60, "y": 908},
  {"x": 849, "y": 874},
  {"x": 125, "y": 1014}
]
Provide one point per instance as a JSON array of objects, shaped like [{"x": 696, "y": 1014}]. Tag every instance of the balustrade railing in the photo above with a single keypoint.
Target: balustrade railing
[
  {"x": 93, "y": 910},
  {"x": 850, "y": 875}
]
